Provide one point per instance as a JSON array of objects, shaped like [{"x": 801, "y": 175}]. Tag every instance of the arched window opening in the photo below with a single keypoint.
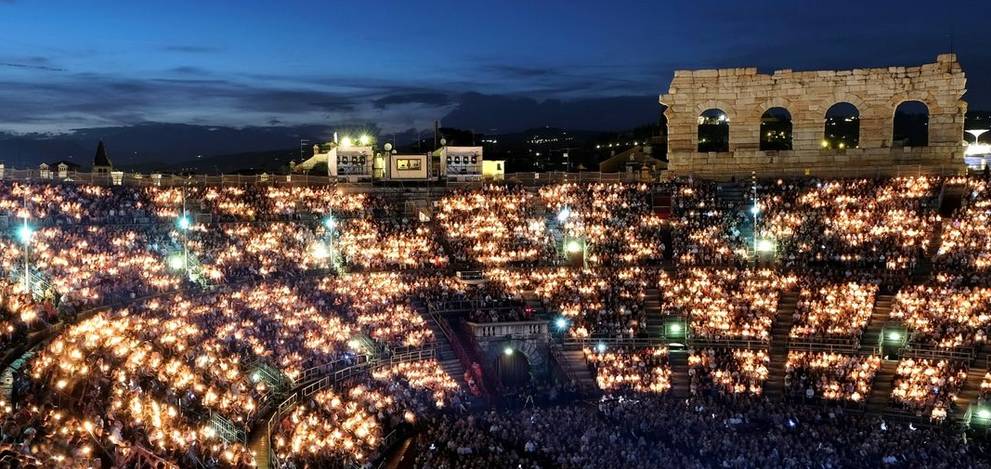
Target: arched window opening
[
  {"x": 911, "y": 125},
  {"x": 842, "y": 127},
  {"x": 713, "y": 131},
  {"x": 775, "y": 129}
]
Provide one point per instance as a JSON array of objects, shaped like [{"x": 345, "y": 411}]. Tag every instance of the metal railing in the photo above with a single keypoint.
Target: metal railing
[
  {"x": 965, "y": 354},
  {"x": 226, "y": 429},
  {"x": 310, "y": 374},
  {"x": 824, "y": 344}
]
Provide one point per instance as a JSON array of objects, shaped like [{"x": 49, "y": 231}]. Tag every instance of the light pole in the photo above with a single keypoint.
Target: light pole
[
  {"x": 331, "y": 224},
  {"x": 755, "y": 209},
  {"x": 25, "y": 233},
  {"x": 184, "y": 225}
]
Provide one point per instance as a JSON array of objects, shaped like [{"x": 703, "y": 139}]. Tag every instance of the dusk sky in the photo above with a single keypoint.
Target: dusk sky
[{"x": 72, "y": 64}]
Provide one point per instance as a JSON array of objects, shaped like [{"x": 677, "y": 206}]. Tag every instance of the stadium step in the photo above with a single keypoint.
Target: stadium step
[
  {"x": 880, "y": 398},
  {"x": 778, "y": 353},
  {"x": 455, "y": 370},
  {"x": 968, "y": 396},
  {"x": 259, "y": 446},
  {"x": 652, "y": 306},
  {"x": 951, "y": 199},
  {"x": 661, "y": 202},
  {"x": 448, "y": 360},
  {"x": 880, "y": 318},
  {"x": 576, "y": 369},
  {"x": 681, "y": 382}
]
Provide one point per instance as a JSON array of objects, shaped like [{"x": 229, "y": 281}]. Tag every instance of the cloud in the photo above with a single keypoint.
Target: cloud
[
  {"x": 428, "y": 98},
  {"x": 30, "y": 63},
  {"x": 190, "y": 49},
  {"x": 517, "y": 71}
]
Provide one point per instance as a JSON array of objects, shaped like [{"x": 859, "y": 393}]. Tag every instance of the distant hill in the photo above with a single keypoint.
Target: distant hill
[{"x": 153, "y": 145}]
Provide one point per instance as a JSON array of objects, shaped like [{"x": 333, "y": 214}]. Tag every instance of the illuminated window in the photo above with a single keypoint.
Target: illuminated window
[{"x": 406, "y": 164}]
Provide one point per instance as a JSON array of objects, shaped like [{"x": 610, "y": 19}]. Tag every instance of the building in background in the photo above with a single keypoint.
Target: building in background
[
  {"x": 459, "y": 164},
  {"x": 101, "y": 162}
]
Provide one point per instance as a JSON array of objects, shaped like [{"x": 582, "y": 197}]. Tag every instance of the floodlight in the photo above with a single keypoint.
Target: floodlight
[
  {"x": 25, "y": 233},
  {"x": 573, "y": 246},
  {"x": 177, "y": 261}
]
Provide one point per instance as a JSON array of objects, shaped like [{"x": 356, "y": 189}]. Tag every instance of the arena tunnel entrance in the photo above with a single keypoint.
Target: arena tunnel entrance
[{"x": 513, "y": 368}]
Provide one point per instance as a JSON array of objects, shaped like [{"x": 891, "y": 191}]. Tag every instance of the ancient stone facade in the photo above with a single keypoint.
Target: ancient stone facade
[
  {"x": 530, "y": 338},
  {"x": 744, "y": 95}
]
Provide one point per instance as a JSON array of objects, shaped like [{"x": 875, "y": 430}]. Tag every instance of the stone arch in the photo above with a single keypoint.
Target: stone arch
[
  {"x": 513, "y": 368},
  {"x": 529, "y": 350},
  {"x": 841, "y": 126},
  {"x": 713, "y": 134},
  {"x": 776, "y": 129},
  {"x": 910, "y": 123},
  {"x": 782, "y": 102}
]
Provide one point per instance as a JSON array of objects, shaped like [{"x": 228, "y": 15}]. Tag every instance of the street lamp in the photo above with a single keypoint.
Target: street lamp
[
  {"x": 184, "y": 223},
  {"x": 24, "y": 234}
]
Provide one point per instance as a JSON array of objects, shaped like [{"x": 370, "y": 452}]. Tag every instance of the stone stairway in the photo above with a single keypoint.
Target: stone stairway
[
  {"x": 680, "y": 380},
  {"x": 880, "y": 398},
  {"x": 661, "y": 203},
  {"x": 778, "y": 353},
  {"x": 446, "y": 356},
  {"x": 258, "y": 444},
  {"x": 737, "y": 194},
  {"x": 880, "y": 317},
  {"x": 572, "y": 362},
  {"x": 968, "y": 396},
  {"x": 652, "y": 306}
]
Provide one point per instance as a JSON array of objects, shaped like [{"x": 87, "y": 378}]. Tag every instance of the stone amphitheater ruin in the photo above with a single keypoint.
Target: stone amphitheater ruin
[{"x": 744, "y": 95}]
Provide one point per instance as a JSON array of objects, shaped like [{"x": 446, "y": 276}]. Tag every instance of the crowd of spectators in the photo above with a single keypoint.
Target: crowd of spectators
[
  {"x": 827, "y": 309},
  {"x": 723, "y": 303},
  {"x": 830, "y": 376},
  {"x": 648, "y": 431},
  {"x": 213, "y": 310},
  {"x": 622, "y": 370},
  {"x": 334, "y": 427},
  {"x": 598, "y": 302},
  {"x": 944, "y": 315},
  {"x": 883, "y": 224},
  {"x": 727, "y": 372},
  {"x": 496, "y": 226},
  {"x": 965, "y": 243},
  {"x": 707, "y": 230},
  {"x": 928, "y": 387}
]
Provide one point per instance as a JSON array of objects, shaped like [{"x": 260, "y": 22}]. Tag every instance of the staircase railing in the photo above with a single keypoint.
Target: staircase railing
[{"x": 463, "y": 356}]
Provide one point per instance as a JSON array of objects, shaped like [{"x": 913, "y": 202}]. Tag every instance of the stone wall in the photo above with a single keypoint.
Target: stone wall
[{"x": 744, "y": 95}]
